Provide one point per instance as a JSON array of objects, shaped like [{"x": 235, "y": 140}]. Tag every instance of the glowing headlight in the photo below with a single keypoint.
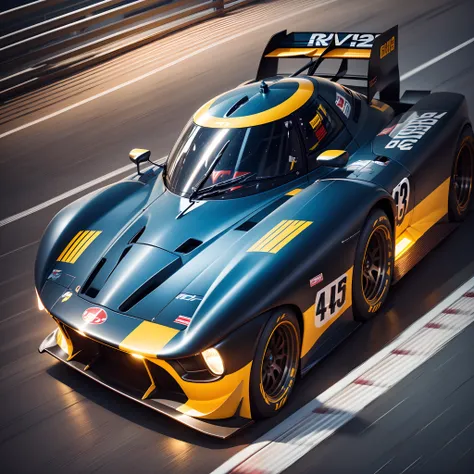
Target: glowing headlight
[
  {"x": 40, "y": 303},
  {"x": 214, "y": 361}
]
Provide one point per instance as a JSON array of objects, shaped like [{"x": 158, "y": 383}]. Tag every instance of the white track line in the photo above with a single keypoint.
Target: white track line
[
  {"x": 282, "y": 446},
  {"x": 162, "y": 68},
  {"x": 96, "y": 181},
  {"x": 435, "y": 60}
]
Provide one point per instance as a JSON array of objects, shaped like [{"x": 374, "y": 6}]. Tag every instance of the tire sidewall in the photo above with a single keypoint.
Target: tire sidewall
[
  {"x": 261, "y": 405},
  {"x": 363, "y": 309},
  {"x": 455, "y": 214}
]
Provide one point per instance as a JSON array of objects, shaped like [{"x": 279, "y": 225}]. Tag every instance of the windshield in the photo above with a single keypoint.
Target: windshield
[{"x": 265, "y": 151}]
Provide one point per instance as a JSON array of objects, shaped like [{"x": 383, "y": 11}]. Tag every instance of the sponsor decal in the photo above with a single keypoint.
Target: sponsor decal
[
  {"x": 401, "y": 196},
  {"x": 386, "y": 131},
  {"x": 387, "y": 47},
  {"x": 65, "y": 296},
  {"x": 94, "y": 316},
  {"x": 348, "y": 40},
  {"x": 316, "y": 280},
  {"x": 316, "y": 121},
  {"x": 321, "y": 132},
  {"x": 343, "y": 104},
  {"x": 55, "y": 274},
  {"x": 188, "y": 297},
  {"x": 414, "y": 129},
  {"x": 330, "y": 300},
  {"x": 184, "y": 320}
]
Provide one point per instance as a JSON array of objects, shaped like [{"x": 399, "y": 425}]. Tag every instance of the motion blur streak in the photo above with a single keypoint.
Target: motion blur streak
[{"x": 53, "y": 420}]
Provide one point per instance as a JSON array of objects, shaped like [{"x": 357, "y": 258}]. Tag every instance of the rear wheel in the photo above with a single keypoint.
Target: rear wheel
[
  {"x": 373, "y": 266},
  {"x": 462, "y": 174},
  {"x": 275, "y": 365}
]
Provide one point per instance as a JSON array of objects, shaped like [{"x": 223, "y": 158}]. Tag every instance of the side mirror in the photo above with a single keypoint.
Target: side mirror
[
  {"x": 333, "y": 158},
  {"x": 138, "y": 156}
]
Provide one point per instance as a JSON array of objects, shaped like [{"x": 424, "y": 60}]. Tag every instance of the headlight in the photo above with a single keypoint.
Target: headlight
[
  {"x": 40, "y": 303},
  {"x": 214, "y": 361}
]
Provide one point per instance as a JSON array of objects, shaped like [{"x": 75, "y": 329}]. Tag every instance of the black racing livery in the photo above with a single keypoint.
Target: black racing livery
[{"x": 205, "y": 287}]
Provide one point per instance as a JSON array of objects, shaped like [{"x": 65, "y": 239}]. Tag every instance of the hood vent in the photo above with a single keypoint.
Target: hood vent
[
  {"x": 237, "y": 105},
  {"x": 87, "y": 289},
  {"x": 188, "y": 246},
  {"x": 150, "y": 285},
  {"x": 246, "y": 226},
  {"x": 135, "y": 238},
  {"x": 254, "y": 220}
]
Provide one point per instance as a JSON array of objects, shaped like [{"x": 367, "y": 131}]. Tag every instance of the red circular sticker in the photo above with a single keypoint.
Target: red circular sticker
[{"x": 94, "y": 316}]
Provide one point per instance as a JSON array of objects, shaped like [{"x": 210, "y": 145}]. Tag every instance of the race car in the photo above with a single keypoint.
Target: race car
[{"x": 205, "y": 287}]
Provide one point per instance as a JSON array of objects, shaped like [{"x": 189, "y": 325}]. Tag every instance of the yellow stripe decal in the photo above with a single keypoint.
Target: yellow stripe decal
[
  {"x": 282, "y": 236},
  {"x": 290, "y": 237},
  {"x": 283, "y": 233},
  {"x": 91, "y": 237},
  {"x": 78, "y": 245},
  {"x": 268, "y": 236},
  {"x": 338, "y": 53},
  {"x": 78, "y": 242},
  {"x": 148, "y": 339},
  {"x": 69, "y": 245}
]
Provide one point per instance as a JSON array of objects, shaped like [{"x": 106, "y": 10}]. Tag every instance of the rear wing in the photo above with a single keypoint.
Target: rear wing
[{"x": 380, "y": 50}]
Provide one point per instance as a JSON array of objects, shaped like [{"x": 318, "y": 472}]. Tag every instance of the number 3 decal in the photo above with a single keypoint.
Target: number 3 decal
[
  {"x": 330, "y": 300},
  {"x": 401, "y": 196}
]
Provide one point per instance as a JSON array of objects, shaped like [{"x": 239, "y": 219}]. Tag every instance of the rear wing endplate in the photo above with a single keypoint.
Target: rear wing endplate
[{"x": 380, "y": 50}]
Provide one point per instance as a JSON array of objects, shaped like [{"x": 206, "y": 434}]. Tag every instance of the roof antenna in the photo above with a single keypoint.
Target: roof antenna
[{"x": 264, "y": 87}]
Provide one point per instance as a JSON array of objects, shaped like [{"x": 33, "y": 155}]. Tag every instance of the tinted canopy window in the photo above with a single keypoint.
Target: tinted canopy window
[{"x": 265, "y": 151}]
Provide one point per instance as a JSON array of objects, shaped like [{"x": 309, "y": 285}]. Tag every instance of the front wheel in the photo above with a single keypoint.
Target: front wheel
[
  {"x": 373, "y": 266},
  {"x": 275, "y": 365}
]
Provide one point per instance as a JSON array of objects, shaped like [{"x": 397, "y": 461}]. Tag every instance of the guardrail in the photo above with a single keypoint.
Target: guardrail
[{"x": 54, "y": 47}]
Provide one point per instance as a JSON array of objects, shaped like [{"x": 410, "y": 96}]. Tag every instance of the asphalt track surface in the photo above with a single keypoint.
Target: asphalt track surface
[{"x": 54, "y": 420}]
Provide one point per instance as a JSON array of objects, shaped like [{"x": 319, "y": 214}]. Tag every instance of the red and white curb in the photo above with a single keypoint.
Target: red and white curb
[{"x": 310, "y": 425}]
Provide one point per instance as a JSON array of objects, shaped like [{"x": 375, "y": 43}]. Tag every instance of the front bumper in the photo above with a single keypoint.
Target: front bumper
[{"x": 213, "y": 408}]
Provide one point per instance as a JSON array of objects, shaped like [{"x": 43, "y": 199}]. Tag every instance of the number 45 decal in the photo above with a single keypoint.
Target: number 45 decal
[{"x": 330, "y": 300}]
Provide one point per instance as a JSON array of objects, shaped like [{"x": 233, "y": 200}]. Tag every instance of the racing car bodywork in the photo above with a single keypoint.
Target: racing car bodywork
[{"x": 286, "y": 209}]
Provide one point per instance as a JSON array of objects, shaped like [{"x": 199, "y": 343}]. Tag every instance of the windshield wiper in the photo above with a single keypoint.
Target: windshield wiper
[
  {"x": 208, "y": 173},
  {"x": 223, "y": 187},
  {"x": 226, "y": 184}
]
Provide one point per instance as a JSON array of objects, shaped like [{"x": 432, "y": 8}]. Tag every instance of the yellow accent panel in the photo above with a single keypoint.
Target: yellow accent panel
[
  {"x": 295, "y": 52},
  {"x": 214, "y": 400},
  {"x": 294, "y": 192},
  {"x": 152, "y": 381},
  {"x": 282, "y": 234},
  {"x": 424, "y": 216},
  {"x": 338, "y": 53},
  {"x": 305, "y": 90},
  {"x": 78, "y": 245},
  {"x": 137, "y": 151},
  {"x": 311, "y": 332},
  {"x": 375, "y": 104},
  {"x": 331, "y": 153},
  {"x": 148, "y": 339}
]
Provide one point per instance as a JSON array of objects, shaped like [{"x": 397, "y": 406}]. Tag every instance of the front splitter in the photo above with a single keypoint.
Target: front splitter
[{"x": 220, "y": 428}]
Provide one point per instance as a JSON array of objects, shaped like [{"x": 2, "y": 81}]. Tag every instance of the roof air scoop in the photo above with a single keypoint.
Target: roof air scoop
[{"x": 237, "y": 105}]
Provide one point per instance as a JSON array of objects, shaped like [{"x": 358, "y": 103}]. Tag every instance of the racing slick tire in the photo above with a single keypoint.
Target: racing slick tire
[
  {"x": 275, "y": 364},
  {"x": 460, "y": 187},
  {"x": 373, "y": 266}
]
